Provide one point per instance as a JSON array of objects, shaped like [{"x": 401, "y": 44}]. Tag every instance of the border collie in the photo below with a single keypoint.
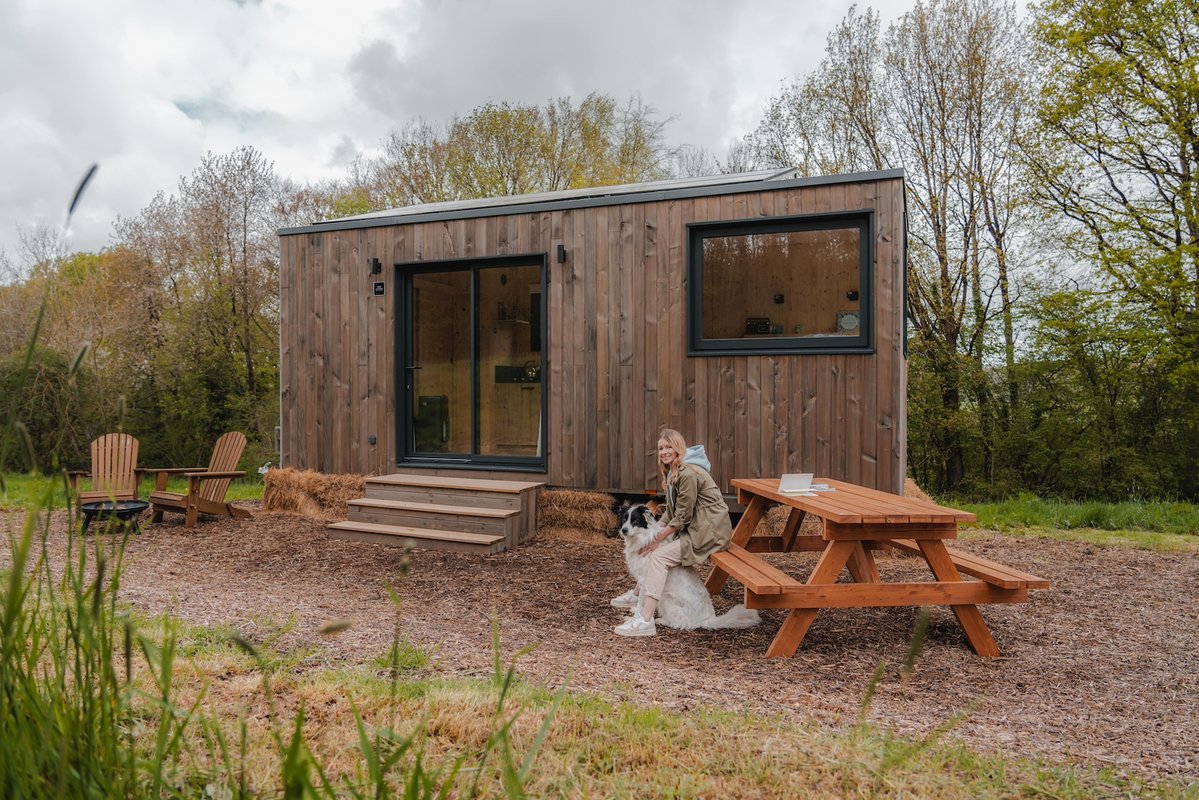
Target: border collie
[{"x": 685, "y": 603}]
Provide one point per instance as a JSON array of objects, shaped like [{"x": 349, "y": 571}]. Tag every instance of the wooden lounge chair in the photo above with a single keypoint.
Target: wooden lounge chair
[
  {"x": 114, "y": 471},
  {"x": 205, "y": 487}
]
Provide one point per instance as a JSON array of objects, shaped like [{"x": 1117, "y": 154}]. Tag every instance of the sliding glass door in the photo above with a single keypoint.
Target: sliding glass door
[{"x": 472, "y": 363}]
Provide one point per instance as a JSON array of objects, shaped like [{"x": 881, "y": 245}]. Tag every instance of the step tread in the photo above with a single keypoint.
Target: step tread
[
  {"x": 404, "y": 532},
  {"x": 434, "y": 508},
  {"x": 444, "y": 482}
]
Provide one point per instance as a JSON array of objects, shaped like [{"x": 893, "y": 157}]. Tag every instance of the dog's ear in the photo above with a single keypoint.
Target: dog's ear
[
  {"x": 621, "y": 511},
  {"x": 653, "y": 505},
  {"x": 641, "y": 516}
]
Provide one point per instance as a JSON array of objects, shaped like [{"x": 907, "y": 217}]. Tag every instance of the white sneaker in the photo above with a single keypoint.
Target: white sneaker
[
  {"x": 636, "y": 626},
  {"x": 627, "y": 600}
]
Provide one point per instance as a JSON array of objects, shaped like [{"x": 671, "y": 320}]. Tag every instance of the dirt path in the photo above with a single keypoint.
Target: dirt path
[{"x": 1101, "y": 669}]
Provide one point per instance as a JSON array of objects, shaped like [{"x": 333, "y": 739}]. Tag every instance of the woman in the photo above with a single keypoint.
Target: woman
[{"x": 696, "y": 525}]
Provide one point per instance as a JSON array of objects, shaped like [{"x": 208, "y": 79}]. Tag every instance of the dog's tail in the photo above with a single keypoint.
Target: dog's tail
[{"x": 736, "y": 617}]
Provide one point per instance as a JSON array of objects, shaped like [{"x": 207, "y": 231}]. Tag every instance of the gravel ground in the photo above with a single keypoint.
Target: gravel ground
[{"x": 1101, "y": 669}]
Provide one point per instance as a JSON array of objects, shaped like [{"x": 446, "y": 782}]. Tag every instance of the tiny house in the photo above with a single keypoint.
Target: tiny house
[{"x": 549, "y": 337}]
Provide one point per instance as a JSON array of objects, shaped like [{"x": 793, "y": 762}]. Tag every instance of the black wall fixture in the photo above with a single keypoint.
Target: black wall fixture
[{"x": 376, "y": 267}]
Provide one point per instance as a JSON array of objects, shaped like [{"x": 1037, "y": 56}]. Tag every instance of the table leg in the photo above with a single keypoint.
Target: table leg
[
  {"x": 795, "y": 626},
  {"x": 861, "y": 565},
  {"x": 969, "y": 617},
  {"x": 745, "y": 528},
  {"x": 791, "y": 529},
  {"x": 87, "y": 520}
]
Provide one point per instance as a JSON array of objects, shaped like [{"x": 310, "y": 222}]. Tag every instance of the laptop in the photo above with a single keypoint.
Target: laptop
[{"x": 795, "y": 483}]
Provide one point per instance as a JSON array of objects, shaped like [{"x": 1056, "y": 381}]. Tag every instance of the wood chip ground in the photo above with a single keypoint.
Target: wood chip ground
[{"x": 1102, "y": 669}]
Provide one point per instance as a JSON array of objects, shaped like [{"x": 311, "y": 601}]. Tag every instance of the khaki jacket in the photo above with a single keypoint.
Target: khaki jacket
[{"x": 695, "y": 508}]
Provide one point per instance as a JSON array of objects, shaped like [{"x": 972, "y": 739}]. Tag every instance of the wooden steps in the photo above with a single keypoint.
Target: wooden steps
[{"x": 442, "y": 513}]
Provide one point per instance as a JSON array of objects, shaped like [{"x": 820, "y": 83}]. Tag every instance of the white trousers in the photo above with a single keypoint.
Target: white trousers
[{"x": 669, "y": 554}]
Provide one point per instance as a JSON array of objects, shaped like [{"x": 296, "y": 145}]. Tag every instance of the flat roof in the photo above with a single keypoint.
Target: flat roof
[{"x": 646, "y": 192}]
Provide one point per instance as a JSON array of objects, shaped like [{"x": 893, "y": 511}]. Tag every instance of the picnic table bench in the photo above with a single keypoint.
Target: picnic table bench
[{"x": 856, "y": 521}]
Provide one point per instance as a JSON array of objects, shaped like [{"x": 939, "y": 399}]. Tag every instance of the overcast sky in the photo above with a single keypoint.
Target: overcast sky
[{"x": 145, "y": 87}]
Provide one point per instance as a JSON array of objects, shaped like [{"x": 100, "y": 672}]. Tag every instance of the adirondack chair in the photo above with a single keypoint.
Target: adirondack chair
[
  {"x": 205, "y": 487},
  {"x": 114, "y": 471}
]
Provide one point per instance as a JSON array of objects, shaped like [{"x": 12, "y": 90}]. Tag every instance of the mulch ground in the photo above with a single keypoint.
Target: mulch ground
[{"x": 1102, "y": 669}]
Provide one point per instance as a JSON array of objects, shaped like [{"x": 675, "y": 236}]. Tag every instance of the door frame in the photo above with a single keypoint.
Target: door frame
[{"x": 403, "y": 342}]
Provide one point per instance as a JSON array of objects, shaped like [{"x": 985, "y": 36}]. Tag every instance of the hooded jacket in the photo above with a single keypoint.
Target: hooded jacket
[{"x": 695, "y": 508}]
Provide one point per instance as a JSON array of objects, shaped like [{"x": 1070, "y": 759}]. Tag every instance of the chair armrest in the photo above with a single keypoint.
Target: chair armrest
[
  {"x": 160, "y": 482},
  {"x": 194, "y": 479},
  {"x": 74, "y": 475}
]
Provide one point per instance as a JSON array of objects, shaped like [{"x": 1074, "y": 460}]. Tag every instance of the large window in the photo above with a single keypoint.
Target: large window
[{"x": 784, "y": 285}]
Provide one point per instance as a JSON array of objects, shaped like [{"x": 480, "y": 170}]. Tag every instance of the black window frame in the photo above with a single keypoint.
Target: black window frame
[{"x": 863, "y": 342}]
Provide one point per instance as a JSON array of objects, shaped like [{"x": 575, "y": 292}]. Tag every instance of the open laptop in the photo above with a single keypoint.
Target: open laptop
[{"x": 795, "y": 483}]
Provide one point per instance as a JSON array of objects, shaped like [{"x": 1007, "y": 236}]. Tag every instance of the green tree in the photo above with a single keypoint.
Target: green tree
[{"x": 1118, "y": 162}]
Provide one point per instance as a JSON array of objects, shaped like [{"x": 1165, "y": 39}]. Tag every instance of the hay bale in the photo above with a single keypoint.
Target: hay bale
[
  {"x": 776, "y": 519},
  {"x": 910, "y": 489},
  {"x": 575, "y": 515},
  {"x": 309, "y": 493}
]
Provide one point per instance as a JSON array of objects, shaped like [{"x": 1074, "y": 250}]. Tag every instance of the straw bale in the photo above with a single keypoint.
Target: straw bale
[
  {"x": 309, "y": 493},
  {"x": 910, "y": 489},
  {"x": 575, "y": 515},
  {"x": 776, "y": 519},
  {"x": 575, "y": 499}
]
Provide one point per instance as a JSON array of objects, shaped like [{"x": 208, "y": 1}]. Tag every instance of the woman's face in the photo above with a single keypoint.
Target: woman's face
[{"x": 666, "y": 453}]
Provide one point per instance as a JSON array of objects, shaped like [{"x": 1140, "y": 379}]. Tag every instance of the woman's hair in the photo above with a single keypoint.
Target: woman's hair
[{"x": 679, "y": 445}]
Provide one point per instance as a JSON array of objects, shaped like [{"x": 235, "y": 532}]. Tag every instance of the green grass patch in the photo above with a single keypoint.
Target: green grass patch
[
  {"x": 1133, "y": 540},
  {"x": 24, "y": 490},
  {"x": 1029, "y": 511}
]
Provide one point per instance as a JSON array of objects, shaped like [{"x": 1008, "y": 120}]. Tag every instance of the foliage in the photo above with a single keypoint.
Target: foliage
[
  {"x": 502, "y": 149},
  {"x": 205, "y": 356},
  {"x": 55, "y": 405},
  {"x": 1117, "y": 163}
]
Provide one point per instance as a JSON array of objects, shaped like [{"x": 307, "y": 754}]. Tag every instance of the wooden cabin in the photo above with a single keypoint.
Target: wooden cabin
[{"x": 549, "y": 337}]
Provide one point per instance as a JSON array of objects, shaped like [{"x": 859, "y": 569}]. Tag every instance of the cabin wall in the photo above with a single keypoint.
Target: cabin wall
[{"x": 616, "y": 364}]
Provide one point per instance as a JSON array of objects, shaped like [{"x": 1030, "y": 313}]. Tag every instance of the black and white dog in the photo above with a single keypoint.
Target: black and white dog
[{"x": 685, "y": 603}]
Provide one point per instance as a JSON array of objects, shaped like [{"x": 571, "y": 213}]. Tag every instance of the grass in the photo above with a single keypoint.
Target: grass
[
  {"x": 1150, "y": 525},
  {"x": 26, "y": 490}
]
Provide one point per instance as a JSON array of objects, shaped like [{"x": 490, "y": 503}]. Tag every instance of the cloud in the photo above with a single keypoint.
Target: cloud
[{"x": 145, "y": 88}]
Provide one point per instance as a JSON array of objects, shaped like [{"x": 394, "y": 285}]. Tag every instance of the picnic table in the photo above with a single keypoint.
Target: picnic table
[{"x": 857, "y": 521}]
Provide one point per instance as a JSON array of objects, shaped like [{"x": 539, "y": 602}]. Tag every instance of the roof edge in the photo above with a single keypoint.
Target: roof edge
[{"x": 770, "y": 182}]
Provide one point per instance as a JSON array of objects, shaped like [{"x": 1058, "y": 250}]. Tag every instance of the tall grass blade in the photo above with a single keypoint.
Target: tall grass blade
[
  {"x": 87, "y": 178},
  {"x": 915, "y": 644}
]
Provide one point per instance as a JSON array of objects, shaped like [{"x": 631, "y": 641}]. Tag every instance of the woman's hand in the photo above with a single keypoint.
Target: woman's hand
[{"x": 657, "y": 540}]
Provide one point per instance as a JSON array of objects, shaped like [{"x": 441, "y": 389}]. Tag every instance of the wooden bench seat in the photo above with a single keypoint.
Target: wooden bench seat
[
  {"x": 990, "y": 571},
  {"x": 754, "y": 574}
]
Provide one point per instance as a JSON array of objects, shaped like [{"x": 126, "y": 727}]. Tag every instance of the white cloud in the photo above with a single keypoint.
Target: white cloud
[{"x": 144, "y": 88}]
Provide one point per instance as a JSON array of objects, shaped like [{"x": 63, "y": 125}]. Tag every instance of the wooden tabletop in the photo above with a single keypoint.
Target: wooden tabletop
[{"x": 853, "y": 504}]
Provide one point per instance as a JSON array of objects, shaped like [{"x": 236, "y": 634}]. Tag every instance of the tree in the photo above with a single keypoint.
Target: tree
[
  {"x": 208, "y": 258},
  {"x": 942, "y": 93},
  {"x": 1119, "y": 156},
  {"x": 1117, "y": 162},
  {"x": 502, "y": 149}
]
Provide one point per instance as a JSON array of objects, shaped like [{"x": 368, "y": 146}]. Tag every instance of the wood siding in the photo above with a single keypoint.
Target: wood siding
[{"x": 615, "y": 347}]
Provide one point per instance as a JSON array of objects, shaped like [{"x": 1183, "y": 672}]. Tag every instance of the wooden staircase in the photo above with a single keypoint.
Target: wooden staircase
[{"x": 469, "y": 515}]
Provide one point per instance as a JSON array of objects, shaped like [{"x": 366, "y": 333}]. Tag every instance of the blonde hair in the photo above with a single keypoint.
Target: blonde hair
[{"x": 679, "y": 445}]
